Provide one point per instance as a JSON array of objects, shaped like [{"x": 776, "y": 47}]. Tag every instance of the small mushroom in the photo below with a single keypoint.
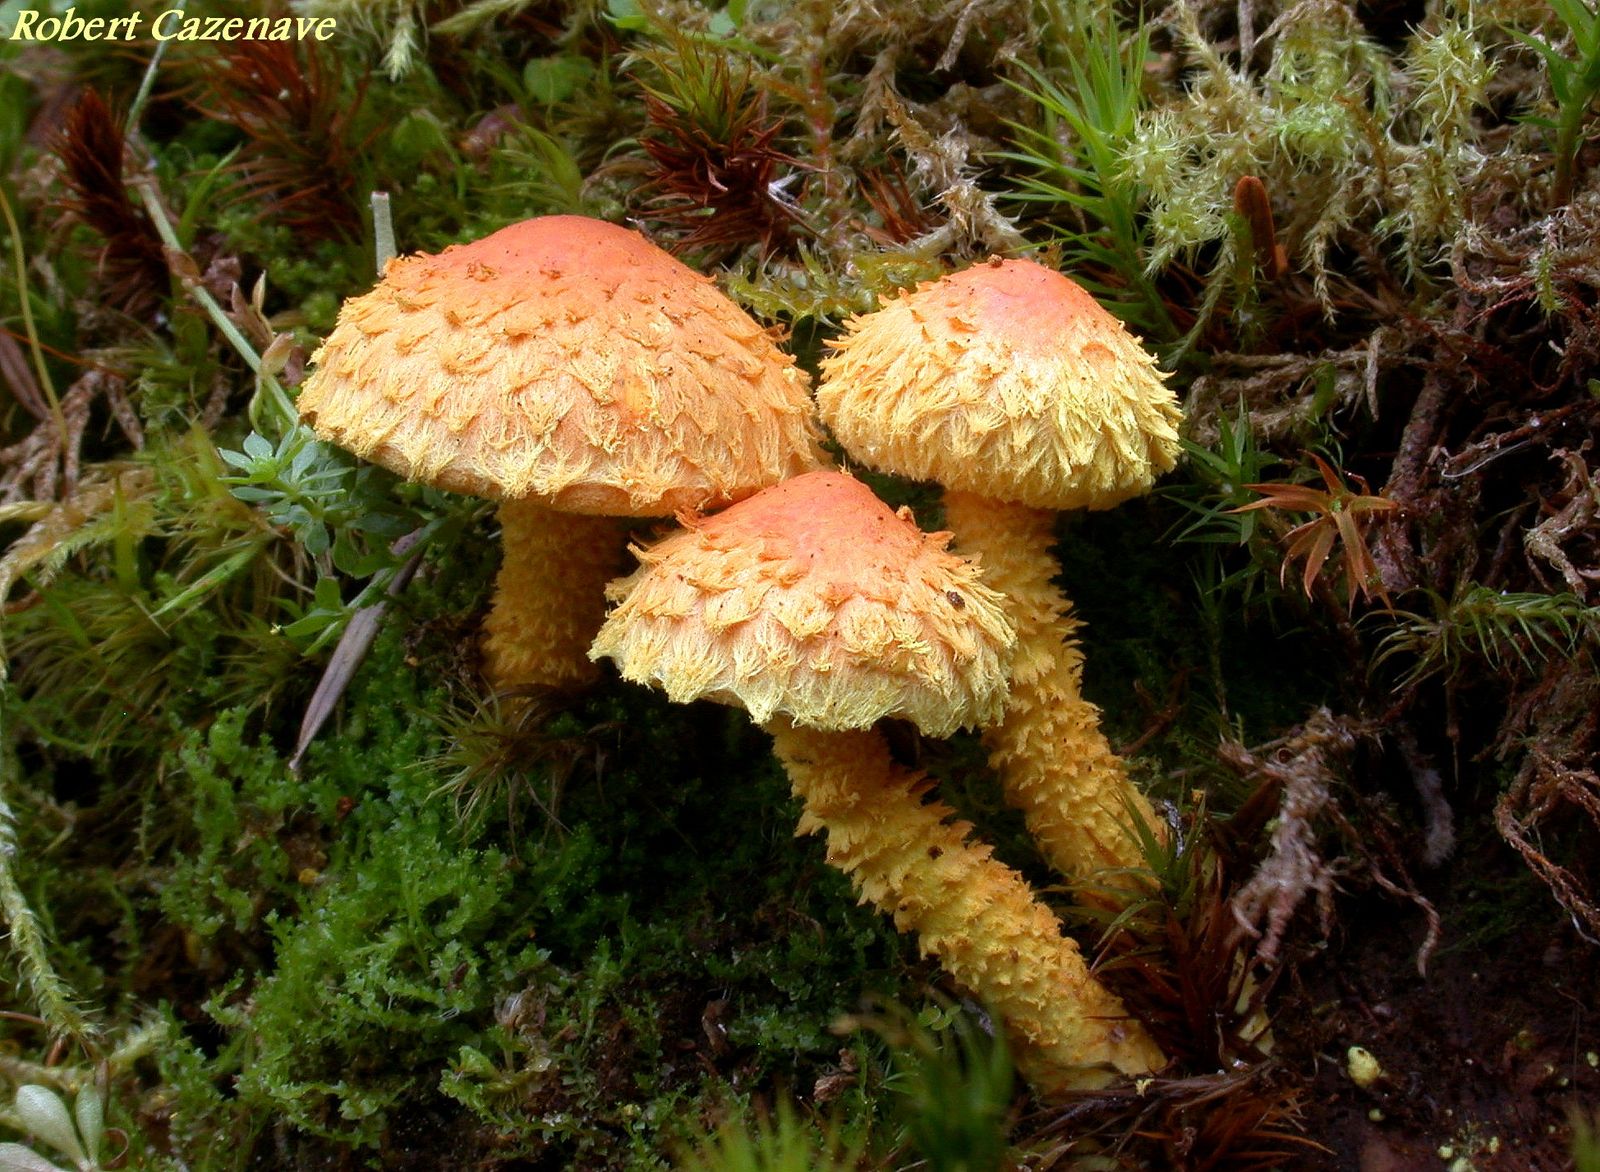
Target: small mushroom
[
  {"x": 575, "y": 372},
  {"x": 821, "y": 611},
  {"x": 1010, "y": 386}
]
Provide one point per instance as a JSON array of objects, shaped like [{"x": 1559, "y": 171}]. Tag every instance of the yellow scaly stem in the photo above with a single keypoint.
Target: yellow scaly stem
[
  {"x": 978, "y": 917},
  {"x": 549, "y": 598},
  {"x": 1054, "y": 762}
]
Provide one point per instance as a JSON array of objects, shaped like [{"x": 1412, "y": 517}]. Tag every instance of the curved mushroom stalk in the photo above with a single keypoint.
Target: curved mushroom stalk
[
  {"x": 549, "y": 597},
  {"x": 976, "y": 916},
  {"x": 1008, "y": 380},
  {"x": 1054, "y": 762},
  {"x": 815, "y": 606}
]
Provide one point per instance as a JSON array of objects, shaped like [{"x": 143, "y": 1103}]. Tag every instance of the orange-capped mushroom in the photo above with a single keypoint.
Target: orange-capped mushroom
[
  {"x": 821, "y": 611},
  {"x": 1006, "y": 380},
  {"x": 574, "y": 371},
  {"x": 1010, "y": 386},
  {"x": 814, "y": 599}
]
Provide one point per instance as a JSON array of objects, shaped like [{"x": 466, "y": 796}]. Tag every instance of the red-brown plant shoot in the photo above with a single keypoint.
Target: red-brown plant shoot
[
  {"x": 92, "y": 151},
  {"x": 1342, "y": 518},
  {"x": 718, "y": 180},
  {"x": 298, "y": 123}
]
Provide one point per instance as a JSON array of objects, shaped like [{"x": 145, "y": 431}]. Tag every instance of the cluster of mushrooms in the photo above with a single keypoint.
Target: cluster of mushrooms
[{"x": 576, "y": 373}]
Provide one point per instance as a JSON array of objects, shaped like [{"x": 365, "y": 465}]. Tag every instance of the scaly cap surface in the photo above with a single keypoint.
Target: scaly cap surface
[
  {"x": 1006, "y": 379},
  {"x": 567, "y": 360},
  {"x": 815, "y": 600}
]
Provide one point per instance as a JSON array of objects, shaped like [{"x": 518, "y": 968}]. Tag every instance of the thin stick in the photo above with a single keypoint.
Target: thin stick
[
  {"x": 147, "y": 83},
  {"x": 27, "y": 317},
  {"x": 382, "y": 230},
  {"x": 169, "y": 236},
  {"x": 352, "y": 649}
]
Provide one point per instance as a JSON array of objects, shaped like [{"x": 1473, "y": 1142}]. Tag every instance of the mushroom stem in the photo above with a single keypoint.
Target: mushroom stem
[
  {"x": 549, "y": 598},
  {"x": 978, "y": 917},
  {"x": 1054, "y": 762}
]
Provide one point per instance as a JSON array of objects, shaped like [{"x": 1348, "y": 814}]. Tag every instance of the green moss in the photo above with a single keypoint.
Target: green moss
[{"x": 552, "y": 987}]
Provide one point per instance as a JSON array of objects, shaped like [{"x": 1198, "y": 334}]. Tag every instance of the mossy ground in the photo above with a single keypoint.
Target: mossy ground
[{"x": 577, "y": 931}]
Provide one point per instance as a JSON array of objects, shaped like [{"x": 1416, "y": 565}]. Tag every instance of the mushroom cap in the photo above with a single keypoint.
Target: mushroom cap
[
  {"x": 815, "y": 600},
  {"x": 566, "y": 360},
  {"x": 1007, "y": 380}
]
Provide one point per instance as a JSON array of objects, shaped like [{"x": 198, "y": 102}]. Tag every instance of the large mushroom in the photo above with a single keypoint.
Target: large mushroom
[
  {"x": 1010, "y": 386},
  {"x": 821, "y": 611},
  {"x": 575, "y": 372}
]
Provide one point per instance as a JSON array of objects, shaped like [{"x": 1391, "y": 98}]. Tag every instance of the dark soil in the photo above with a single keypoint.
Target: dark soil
[{"x": 1482, "y": 1058}]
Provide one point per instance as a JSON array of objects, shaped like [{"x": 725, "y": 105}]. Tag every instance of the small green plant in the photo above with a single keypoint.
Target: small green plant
[
  {"x": 544, "y": 172},
  {"x": 154, "y": 586},
  {"x": 1574, "y": 83},
  {"x": 1509, "y": 631},
  {"x": 780, "y": 1142},
  {"x": 79, "y": 1136},
  {"x": 1218, "y": 489},
  {"x": 1073, "y": 164},
  {"x": 346, "y": 517},
  {"x": 1223, "y": 474},
  {"x": 953, "y": 1082},
  {"x": 509, "y": 748}
]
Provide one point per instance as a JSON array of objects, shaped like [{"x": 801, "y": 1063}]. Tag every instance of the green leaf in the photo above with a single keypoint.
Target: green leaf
[
  {"x": 16, "y": 1158},
  {"x": 90, "y": 1112},
  {"x": 627, "y": 15},
  {"x": 550, "y": 80},
  {"x": 43, "y": 1114}
]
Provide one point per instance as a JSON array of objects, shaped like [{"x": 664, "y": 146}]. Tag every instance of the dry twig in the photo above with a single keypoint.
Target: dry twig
[
  {"x": 1542, "y": 787},
  {"x": 1299, "y": 763},
  {"x": 1575, "y": 518},
  {"x": 47, "y": 460}
]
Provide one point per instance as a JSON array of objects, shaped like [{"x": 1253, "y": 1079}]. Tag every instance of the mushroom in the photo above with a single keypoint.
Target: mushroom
[
  {"x": 1009, "y": 385},
  {"x": 575, "y": 372},
  {"x": 821, "y": 611}
]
